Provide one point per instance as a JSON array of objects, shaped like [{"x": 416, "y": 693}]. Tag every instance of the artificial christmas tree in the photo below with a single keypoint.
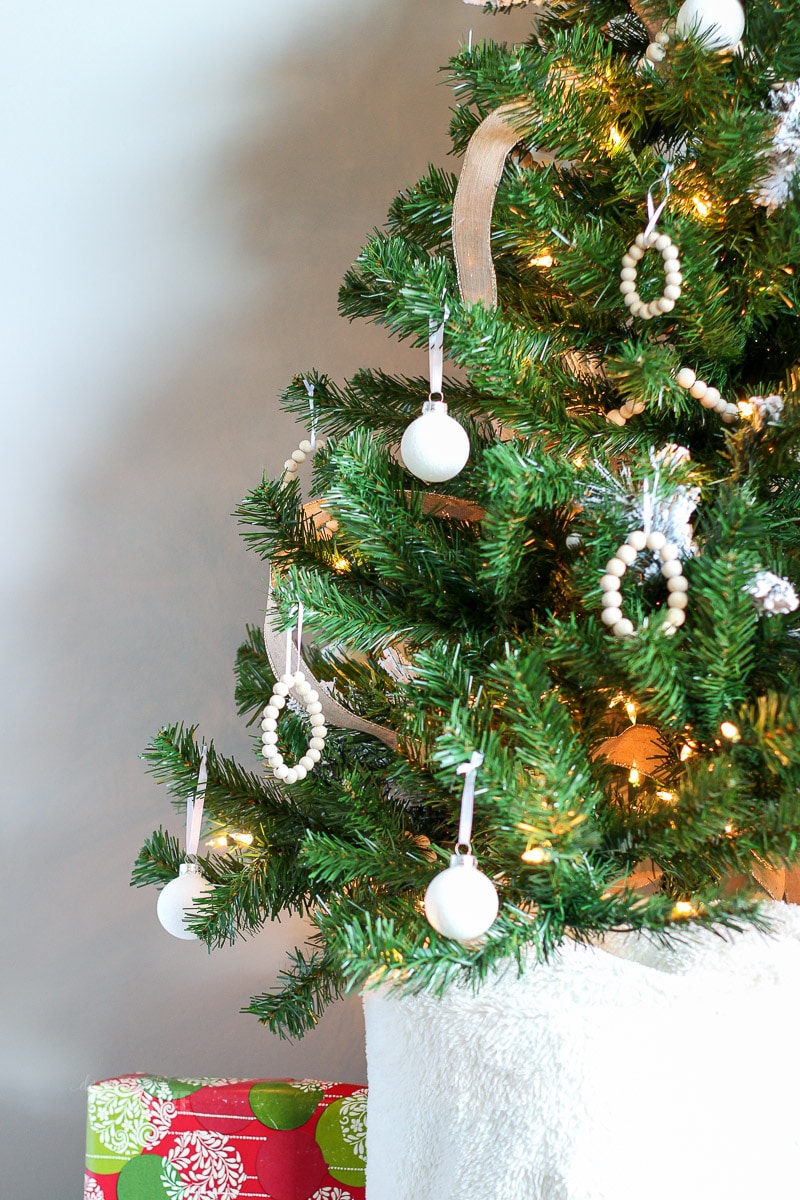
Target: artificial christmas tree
[{"x": 600, "y": 605}]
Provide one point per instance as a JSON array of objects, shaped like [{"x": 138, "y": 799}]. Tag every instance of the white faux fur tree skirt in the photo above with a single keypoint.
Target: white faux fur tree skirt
[{"x": 624, "y": 1073}]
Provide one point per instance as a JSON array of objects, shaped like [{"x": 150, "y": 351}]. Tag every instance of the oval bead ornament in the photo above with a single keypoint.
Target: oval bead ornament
[
  {"x": 672, "y": 275},
  {"x": 671, "y": 570},
  {"x": 309, "y": 698}
]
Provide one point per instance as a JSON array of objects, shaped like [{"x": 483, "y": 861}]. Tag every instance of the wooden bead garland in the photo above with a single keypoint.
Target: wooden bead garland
[
  {"x": 709, "y": 397},
  {"x": 298, "y": 456},
  {"x": 269, "y": 737},
  {"x": 671, "y": 569},
  {"x": 686, "y": 378},
  {"x": 672, "y": 279}
]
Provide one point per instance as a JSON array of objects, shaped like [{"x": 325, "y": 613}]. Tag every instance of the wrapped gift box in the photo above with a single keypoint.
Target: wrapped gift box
[{"x": 150, "y": 1138}]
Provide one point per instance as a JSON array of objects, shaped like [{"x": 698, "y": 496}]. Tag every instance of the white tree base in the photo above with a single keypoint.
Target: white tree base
[{"x": 629, "y": 1072}]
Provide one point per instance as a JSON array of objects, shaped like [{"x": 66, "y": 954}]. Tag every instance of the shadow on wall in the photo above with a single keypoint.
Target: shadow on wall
[{"x": 135, "y": 618}]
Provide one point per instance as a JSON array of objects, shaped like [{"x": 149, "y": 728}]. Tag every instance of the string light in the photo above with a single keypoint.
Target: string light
[
  {"x": 341, "y": 565},
  {"x": 541, "y": 260},
  {"x": 666, "y": 797},
  {"x": 687, "y": 750},
  {"x": 223, "y": 841},
  {"x": 615, "y": 137},
  {"x": 730, "y": 731},
  {"x": 634, "y": 777},
  {"x": 535, "y": 855},
  {"x": 684, "y": 908},
  {"x": 746, "y": 409},
  {"x": 703, "y": 207}
]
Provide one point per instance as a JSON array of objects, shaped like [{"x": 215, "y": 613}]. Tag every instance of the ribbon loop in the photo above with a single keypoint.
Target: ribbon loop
[
  {"x": 469, "y": 770},
  {"x": 654, "y": 213},
  {"x": 436, "y": 354},
  {"x": 194, "y": 809}
]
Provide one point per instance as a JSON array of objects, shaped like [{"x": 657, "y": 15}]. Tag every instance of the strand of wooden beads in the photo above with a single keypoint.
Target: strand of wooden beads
[
  {"x": 631, "y": 408},
  {"x": 672, "y": 275},
  {"x": 708, "y": 396},
  {"x": 298, "y": 456},
  {"x": 671, "y": 570}
]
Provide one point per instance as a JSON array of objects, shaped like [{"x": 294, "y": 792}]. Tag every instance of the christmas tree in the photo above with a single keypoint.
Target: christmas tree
[{"x": 593, "y": 625}]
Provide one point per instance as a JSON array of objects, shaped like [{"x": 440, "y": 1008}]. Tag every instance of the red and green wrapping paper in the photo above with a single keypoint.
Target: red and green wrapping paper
[{"x": 150, "y": 1138}]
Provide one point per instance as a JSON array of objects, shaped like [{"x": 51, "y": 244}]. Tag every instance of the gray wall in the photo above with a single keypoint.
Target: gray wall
[{"x": 184, "y": 186}]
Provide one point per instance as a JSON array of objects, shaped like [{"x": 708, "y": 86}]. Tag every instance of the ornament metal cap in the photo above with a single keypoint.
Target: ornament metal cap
[
  {"x": 435, "y": 404},
  {"x": 459, "y": 859},
  {"x": 190, "y": 867}
]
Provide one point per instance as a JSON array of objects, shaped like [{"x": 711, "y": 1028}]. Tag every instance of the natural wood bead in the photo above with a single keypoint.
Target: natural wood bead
[
  {"x": 616, "y": 566},
  {"x": 678, "y": 583},
  {"x": 623, "y": 628},
  {"x": 628, "y": 261},
  {"x": 661, "y": 242},
  {"x": 627, "y": 287},
  {"x": 710, "y": 397},
  {"x": 612, "y": 599},
  {"x": 655, "y": 540},
  {"x": 609, "y": 583},
  {"x": 627, "y": 274},
  {"x": 627, "y": 554},
  {"x": 615, "y": 417},
  {"x": 670, "y": 252},
  {"x": 668, "y": 552},
  {"x": 637, "y": 539},
  {"x": 698, "y": 389},
  {"x": 305, "y": 446},
  {"x": 610, "y": 616},
  {"x": 670, "y": 569},
  {"x": 677, "y": 600},
  {"x": 662, "y": 38},
  {"x": 671, "y": 292},
  {"x": 673, "y": 279},
  {"x": 655, "y": 53},
  {"x": 685, "y": 378},
  {"x": 636, "y": 251},
  {"x": 675, "y": 616},
  {"x": 290, "y": 465}
]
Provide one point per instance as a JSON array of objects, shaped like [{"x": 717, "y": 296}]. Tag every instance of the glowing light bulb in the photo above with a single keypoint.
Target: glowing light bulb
[
  {"x": 630, "y": 709},
  {"x": 746, "y": 409},
  {"x": 684, "y": 908},
  {"x": 666, "y": 797},
  {"x": 729, "y": 730},
  {"x": 535, "y": 855},
  {"x": 243, "y": 839},
  {"x": 615, "y": 137},
  {"x": 687, "y": 750},
  {"x": 634, "y": 777},
  {"x": 541, "y": 260},
  {"x": 341, "y": 565},
  {"x": 702, "y": 206}
]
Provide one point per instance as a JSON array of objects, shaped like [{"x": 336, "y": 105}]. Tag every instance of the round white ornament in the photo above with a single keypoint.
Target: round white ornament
[
  {"x": 434, "y": 446},
  {"x": 461, "y": 902},
  {"x": 719, "y": 22},
  {"x": 176, "y": 900}
]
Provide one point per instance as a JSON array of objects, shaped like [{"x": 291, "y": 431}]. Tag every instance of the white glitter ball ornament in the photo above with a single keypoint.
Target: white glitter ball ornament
[
  {"x": 176, "y": 900},
  {"x": 434, "y": 447},
  {"x": 461, "y": 902},
  {"x": 719, "y": 22}
]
